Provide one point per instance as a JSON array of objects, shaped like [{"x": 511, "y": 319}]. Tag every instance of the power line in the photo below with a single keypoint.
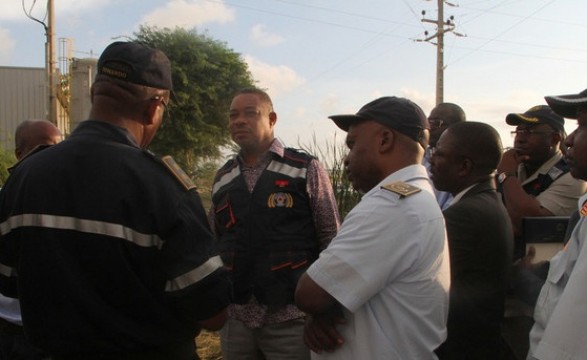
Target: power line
[
  {"x": 482, "y": 12},
  {"x": 318, "y": 21},
  {"x": 503, "y": 32}
]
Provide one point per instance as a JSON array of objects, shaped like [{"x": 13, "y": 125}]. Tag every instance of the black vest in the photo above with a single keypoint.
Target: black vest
[
  {"x": 543, "y": 181},
  {"x": 266, "y": 238},
  {"x": 534, "y": 188}
]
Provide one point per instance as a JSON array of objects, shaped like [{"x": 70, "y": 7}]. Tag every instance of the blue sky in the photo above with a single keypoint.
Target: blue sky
[{"x": 322, "y": 57}]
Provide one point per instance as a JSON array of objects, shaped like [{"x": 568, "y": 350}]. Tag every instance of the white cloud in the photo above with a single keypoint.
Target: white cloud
[
  {"x": 425, "y": 101},
  {"x": 329, "y": 104},
  {"x": 261, "y": 37},
  {"x": 301, "y": 112},
  {"x": 13, "y": 9},
  {"x": 8, "y": 46},
  {"x": 277, "y": 79},
  {"x": 189, "y": 14}
]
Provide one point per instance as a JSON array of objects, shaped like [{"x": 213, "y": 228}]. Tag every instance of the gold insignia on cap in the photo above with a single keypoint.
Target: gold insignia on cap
[
  {"x": 179, "y": 174},
  {"x": 528, "y": 118},
  {"x": 402, "y": 188}
]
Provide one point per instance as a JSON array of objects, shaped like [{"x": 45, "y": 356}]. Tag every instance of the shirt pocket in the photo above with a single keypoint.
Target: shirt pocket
[
  {"x": 223, "y": 215},
  {"x": 552, "y": 288}
]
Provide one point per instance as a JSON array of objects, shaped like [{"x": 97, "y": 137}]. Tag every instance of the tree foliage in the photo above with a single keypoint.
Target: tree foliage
[
  {"x": 7, "y": 159},
  {"x": 205, "y": 73}
]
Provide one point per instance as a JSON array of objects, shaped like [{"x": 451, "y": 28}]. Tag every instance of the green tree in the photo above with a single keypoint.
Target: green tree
[
  {"x": 7, "y": 159},
  {"x": 205, "y": 75}
]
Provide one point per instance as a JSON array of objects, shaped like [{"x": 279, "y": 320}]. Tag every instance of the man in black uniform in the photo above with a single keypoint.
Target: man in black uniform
[
  {"x": 106, "y": 246},
  {"x": 30, "y": 137}
]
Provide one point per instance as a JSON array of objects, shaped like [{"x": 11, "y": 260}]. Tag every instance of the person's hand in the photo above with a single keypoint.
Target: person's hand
[
  {"x": 320, "y": 332},
  {"x": 527, "y": 260},
  {"x": 510, "y": 161}
]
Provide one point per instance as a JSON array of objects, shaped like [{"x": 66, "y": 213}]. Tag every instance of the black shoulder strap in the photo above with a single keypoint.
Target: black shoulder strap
[{"x": 543, "y": 181}]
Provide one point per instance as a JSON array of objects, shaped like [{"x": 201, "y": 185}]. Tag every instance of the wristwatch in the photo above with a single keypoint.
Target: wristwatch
[{"x": 504, "y": 175}]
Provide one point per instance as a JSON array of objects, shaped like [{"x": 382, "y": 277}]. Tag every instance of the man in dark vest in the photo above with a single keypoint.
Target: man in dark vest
[
  {"x": 534, "y": 180},
  {"x": 273, "y": 211},
  {"x": 534, "y": 177}
]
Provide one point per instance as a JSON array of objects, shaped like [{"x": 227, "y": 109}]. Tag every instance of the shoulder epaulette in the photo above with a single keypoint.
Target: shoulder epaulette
[
  {"x": 401, "y": 188},
  {"x": 178, "y": 173}
]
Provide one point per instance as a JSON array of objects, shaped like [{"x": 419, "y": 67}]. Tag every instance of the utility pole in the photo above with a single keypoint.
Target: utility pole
[
  {"x": 442, "y": 27},
  {"x": 50, "y": 62}
]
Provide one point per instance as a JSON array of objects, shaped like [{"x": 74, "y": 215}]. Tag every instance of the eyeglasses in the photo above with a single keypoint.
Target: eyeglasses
[
  {"x": 528, "y": 132},
  {"x": 165, "y": 104},
  {"x": 435, "y": 123}
]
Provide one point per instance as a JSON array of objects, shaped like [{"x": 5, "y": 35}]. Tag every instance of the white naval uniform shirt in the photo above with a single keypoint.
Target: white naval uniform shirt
[
  {"x": 561, "y": 309},
  {"x": 389, "y": 268}
]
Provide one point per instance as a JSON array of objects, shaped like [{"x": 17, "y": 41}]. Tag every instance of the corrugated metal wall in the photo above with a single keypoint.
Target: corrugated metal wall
[{"x": 23, "y": 96}]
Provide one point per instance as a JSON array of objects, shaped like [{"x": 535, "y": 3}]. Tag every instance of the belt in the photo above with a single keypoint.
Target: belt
[{"x": 176, "y": 351}]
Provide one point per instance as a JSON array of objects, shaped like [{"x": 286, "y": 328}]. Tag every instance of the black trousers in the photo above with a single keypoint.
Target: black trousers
[{"x": 14, "y": 345}]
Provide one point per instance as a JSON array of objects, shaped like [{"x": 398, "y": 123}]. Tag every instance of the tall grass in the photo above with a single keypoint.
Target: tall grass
[{"x": 332, "y": 156}]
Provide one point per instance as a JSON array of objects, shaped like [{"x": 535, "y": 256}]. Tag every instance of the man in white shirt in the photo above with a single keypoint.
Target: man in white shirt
[
  {"x": 386, "y": 273},
  {"x": 561, "y": 309}
]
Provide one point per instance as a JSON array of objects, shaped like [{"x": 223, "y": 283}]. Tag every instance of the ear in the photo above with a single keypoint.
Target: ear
[
  {"x": 272, "y": 118},
  {"x": 150, "y": 111},
  {"x": 556, "y": 138},
  {"x": 386, "y": 140},
  {"x": 466, "y": 167}
]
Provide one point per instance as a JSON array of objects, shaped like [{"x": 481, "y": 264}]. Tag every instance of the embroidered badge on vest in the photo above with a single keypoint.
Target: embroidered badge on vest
[
  {"x": 179, "y": 174},
  {"x": 583, "y": 211},
  {"x": 281, "y": 183},
  {"x": 280, "y": 199},
  {"x": 402, "y": 188}
]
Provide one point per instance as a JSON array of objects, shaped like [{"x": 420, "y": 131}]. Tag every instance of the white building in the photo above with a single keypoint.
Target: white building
[{"x": 23, "y": 96}]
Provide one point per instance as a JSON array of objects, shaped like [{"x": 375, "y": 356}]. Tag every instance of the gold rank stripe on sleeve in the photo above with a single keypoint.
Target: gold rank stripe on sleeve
[
  {"x": 179, "y": 174},
  {"x": 402, "y": 188}
]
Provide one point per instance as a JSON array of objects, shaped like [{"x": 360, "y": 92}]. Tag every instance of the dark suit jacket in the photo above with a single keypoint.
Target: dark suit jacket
[{"x": 480, "y": 239}]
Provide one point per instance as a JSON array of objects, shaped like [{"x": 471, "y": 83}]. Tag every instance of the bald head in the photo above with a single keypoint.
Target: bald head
[
  {"x": 443, "y": 116},
  {"x": 480, "y": 142},
  {"x": 32, "y": 133}
]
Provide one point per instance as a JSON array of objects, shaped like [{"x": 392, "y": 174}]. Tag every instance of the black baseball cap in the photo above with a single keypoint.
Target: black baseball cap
[
  {"x": 136, "y": 63},
  {"x": 567, "y": 105},
  {"x": 399, "y": 114},
  {"x": 540, "y": 114}
]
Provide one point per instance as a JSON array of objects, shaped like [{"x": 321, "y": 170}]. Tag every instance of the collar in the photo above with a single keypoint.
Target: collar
[
  {"x": 276, "y": 148},
  {"x": 105, "y": 129}
]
